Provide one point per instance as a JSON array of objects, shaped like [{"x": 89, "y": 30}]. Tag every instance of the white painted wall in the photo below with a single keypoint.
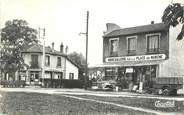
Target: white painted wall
[
  {"x": 70, "y": 68},
  {"x": 174, "y": 66},
  {"x": 53, "y": 63}
]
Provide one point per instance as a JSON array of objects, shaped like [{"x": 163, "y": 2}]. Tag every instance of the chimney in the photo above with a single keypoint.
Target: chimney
[
  {"x": 111, "y": 27},
  {"x": 152, "y": 22},
  {"x": 61, "y": 47},
  {"x": 52, "y": 46},
  {"x": 66, "y": 49}
]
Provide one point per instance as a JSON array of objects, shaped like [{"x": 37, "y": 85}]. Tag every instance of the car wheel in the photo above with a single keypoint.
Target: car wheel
[{"x": 165, "y": 92}]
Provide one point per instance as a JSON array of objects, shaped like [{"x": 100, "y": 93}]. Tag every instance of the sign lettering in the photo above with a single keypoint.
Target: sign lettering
[{"x": 137, "y": 58}]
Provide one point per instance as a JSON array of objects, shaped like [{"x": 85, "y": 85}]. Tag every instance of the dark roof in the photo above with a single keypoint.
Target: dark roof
[
  {"x": 73, "y": 62},
  {"x": 137, "y": 29},
  {"x": 37, "y": 48}
]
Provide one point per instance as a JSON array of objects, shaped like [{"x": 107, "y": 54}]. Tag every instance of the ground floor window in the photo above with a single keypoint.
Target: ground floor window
[
  {"x": 58, "y": 75},
  {"x": 71, "y": 75},
  {"x": 34, "y": 77},
  {"x": 111, "y": 73},
  {"x": 126, "y": 77}
]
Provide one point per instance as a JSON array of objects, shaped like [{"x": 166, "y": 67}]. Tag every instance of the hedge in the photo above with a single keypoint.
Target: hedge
[
  {"x": 17, "y": 83},
  {"x": 65, "y": 83}
]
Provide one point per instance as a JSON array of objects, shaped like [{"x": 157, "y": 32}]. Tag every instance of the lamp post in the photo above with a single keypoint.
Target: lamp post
[
  {"x": 43, "y": 55},
  {"x": 86, "y": 65}
]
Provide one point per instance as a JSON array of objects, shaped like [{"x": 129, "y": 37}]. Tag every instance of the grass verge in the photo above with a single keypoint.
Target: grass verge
[
  {"x": 14, "y": 103},
  {"x": 164, "y": 105}
]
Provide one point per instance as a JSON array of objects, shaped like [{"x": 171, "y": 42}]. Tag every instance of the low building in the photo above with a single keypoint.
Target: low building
[
  {"x": 142, "y": 53},
  {"x": 57, "y": 66}
]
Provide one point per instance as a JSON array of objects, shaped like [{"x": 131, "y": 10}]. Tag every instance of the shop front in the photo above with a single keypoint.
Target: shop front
[
  {"x": 129, "y": 76},
  {"x": 130, "y": 71}
]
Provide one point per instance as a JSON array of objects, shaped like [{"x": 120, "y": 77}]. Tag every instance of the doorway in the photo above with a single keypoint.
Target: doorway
[{"x": 34, "y": 78}]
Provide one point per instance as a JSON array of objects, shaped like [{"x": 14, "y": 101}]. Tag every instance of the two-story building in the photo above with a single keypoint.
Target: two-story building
[
  {"x": 57, "y": 65},
  {"x": 141, "y": 53}
]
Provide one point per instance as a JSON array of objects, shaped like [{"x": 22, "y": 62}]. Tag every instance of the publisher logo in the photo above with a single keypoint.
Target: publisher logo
[{"x": 165, "y": 104}]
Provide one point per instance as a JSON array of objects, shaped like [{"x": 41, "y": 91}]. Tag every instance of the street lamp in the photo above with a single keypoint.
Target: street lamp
[{"x": 86, "y": 65}]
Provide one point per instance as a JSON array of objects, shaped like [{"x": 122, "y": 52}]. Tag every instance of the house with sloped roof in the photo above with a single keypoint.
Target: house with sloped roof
[
  {"x": 57, "y": 66},
  {"x": 141, "y": 54}
]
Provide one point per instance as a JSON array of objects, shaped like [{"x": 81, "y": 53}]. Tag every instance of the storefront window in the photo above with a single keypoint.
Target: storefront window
[
  {"x": 150, "y": 76},
  {"x": 153, "y": 73},
  {"x": 111, "y": 73}
]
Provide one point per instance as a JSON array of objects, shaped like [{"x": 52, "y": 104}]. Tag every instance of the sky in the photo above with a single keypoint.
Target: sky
[{"x": 65, "y": 19}]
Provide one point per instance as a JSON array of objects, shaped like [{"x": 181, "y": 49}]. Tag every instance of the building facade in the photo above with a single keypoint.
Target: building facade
[
  {"x": 140, "y": 54},
  {"x": 57, "y": 66}
]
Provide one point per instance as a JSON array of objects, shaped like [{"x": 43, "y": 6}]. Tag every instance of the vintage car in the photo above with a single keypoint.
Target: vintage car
[{"x": 103, "y": 86}]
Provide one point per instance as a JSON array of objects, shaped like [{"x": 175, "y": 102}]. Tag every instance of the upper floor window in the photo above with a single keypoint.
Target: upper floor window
[
  {"x": 131, "y": 44},
  {"x": 58, "y": 61},
  {"x": 153, "y": 42},
  {"x": 34, "y": 61},
  {"x": 71, "y": 75},
  {"x": 47, "y": 60},
  {"x": 114, "y": 46}
]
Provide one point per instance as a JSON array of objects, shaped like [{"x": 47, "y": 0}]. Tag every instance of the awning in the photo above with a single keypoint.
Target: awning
[{"x": 130, "y": 63}]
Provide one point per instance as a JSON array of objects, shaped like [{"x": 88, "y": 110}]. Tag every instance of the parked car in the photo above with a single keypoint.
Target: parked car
[
  {"x": 107, "y": 87},
  {"x": 102, "y": 86}
]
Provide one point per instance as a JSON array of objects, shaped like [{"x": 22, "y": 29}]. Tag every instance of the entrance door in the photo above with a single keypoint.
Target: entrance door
[
  {"x": 34, "y": 78},
  {"x": 129, "y": 77}
]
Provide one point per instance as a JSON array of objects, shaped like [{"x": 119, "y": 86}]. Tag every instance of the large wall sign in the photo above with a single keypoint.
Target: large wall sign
[{"x": 136, "y": 58}]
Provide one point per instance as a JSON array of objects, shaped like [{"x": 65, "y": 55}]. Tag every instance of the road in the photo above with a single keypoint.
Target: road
[{"x": 76, "y": 93}]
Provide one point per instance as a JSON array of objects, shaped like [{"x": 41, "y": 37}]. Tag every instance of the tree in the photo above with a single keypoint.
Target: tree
[
  {"x": 174, "y": 15},
  {"x": 15, "y": 36},
  {"x": 79, "y": 59}
]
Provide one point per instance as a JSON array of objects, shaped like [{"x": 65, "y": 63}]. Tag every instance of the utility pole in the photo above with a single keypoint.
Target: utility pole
[
  {"x": 86, "y": 65},
  {"x": 43, "y": 55},
  {"x": 87, "y": 20},
  {"x": 0, "y": 57}
]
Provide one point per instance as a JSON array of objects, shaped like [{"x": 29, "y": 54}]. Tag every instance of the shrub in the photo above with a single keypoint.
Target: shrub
[
  {"x": 66, "y": 83},
  {"x": 17, "y": 83}
]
